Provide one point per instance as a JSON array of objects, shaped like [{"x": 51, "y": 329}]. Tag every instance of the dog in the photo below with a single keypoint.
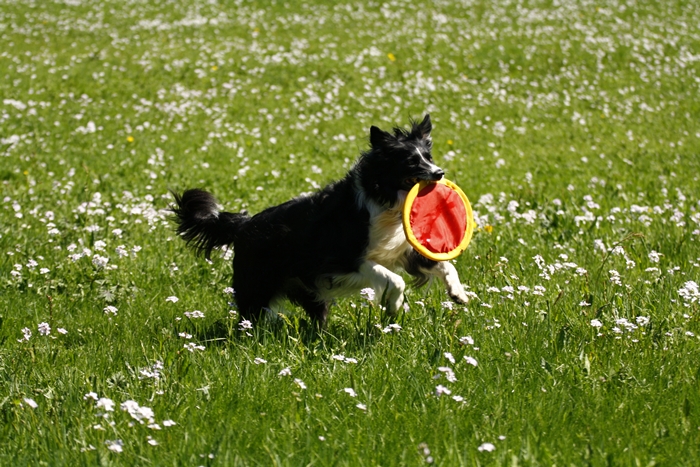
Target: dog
[{"x": 332, "y": 243}]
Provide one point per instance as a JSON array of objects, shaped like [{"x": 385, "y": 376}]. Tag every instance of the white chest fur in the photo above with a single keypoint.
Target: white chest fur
[{"x": 387, "y": 240}]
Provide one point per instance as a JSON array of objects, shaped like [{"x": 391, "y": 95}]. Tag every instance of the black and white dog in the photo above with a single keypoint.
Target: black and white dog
[{"x": 332, "y": 243}]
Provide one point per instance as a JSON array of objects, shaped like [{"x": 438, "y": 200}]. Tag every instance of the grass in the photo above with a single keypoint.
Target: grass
[{"x": 572, "y": 127}]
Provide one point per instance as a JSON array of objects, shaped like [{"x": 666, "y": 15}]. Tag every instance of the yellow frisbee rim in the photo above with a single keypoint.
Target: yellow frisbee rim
[{"x": 406, "y": 220}]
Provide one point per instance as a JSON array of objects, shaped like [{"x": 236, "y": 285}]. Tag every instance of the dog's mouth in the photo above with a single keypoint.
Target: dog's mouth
[{"x": 410, "y": 182}]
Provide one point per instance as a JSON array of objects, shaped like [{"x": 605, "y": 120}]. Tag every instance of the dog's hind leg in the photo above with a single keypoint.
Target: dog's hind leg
[
  {"x": 252, "y": 296},
  {"x": 315, "y": 308},
  {"x": 250, "y": 306},
  {"x": 423, "y": 268}
]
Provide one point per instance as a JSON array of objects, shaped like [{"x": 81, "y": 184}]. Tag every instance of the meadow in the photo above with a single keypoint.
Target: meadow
[{"x": 572, "y": 126}]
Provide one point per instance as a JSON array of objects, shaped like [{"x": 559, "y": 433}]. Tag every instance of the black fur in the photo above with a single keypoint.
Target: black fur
[
  {"x": 298, "y": 248},
  {"x": 392, "y": 164},
  {"x": 201, "y": 224}
]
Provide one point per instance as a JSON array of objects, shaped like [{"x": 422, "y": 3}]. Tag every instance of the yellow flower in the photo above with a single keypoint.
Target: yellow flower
[
  {"x": 214, "y": 68},
  {"x": 488, "y": 228},
  {"x": 391, "y": 56},
  {"x": 130, "y": 139},
  {"x": 450, "y": 142}
]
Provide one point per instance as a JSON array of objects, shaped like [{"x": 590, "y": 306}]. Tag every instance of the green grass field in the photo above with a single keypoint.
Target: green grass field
[{"x": 573, "y": 127}]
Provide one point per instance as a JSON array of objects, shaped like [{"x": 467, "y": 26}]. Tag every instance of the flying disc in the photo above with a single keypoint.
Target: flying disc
[{"x": 437, "y": 219}]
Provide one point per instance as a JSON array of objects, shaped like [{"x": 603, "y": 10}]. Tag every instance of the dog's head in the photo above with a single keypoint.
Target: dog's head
[{"x": 397, "y": 161}]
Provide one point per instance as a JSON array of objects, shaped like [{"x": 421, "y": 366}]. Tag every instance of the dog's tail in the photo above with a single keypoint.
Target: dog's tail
[{"x": 201, "y": 224}]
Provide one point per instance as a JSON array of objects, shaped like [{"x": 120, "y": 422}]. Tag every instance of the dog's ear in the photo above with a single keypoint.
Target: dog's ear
[
  {"x": 425, "y": 127},
  {"x": 378, "y": 138}
]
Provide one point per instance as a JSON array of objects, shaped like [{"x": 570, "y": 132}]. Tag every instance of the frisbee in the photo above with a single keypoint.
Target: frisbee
[{"x": 437, "y": 219}]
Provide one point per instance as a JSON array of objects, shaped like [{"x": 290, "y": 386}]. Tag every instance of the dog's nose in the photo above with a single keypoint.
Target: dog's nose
[{"x": 438, "y": 174}]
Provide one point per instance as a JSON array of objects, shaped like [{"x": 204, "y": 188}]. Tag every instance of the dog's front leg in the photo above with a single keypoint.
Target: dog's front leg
[
  {"x": 448, "y": 274},
  {"x": 423, "y": 268},
  {"x": 386, "y": 284}
]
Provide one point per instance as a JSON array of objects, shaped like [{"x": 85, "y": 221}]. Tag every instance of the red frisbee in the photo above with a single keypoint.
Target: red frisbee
[{"x": 438, "y": 220}]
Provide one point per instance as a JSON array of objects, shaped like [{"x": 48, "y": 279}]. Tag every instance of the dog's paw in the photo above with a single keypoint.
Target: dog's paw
[
  {"x": 456, "y": 292},
  {"x": 393, "y": 295}
]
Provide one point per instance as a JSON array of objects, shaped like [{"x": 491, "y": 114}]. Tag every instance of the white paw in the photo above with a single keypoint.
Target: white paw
[
  {"x": 447, "y": 272},
  {"x": 393, "y": 295},
  {"x": 457, "y": 294}
]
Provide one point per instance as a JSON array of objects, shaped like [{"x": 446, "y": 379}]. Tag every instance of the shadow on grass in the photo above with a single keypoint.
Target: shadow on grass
[{"x": 348, "y": 329}]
